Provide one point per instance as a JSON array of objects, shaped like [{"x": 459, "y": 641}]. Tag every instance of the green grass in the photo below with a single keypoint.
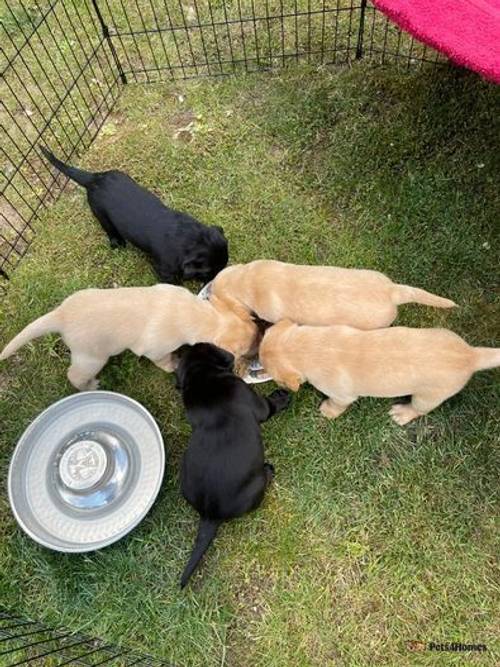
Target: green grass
[{"x": 372, "y": 535}]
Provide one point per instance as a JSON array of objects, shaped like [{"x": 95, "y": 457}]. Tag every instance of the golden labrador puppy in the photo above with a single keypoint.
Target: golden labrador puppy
[
  {"x": 345, "y": 363},
  {"x": 150, "y": 321},
  {"x": 318, "y": 295}
]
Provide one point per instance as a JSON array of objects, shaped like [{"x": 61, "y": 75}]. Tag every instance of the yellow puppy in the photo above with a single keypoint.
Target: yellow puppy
[
  {"x": 318, "y": 295},
  {"x": 345, "y": 363},
  {"x": 150, "y": 321}
]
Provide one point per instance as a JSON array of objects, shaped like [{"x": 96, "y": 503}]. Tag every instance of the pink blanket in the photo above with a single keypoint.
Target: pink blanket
[{"x": 467, "y": 31}]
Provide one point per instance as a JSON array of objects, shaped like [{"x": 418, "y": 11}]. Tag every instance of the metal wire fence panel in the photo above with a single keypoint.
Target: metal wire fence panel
[
  {"x": 62, "y": 64},
  {"x": 193, "y": 38},
  {"x": 58, "y": 82},
  {"x": 26, "y": 642}
]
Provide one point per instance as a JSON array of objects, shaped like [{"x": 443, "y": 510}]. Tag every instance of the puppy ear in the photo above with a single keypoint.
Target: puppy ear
[
  {"x": 190, "y": 260},
  {"x": 279, "y": 367},
  {"x": 181, "y": 351},
  {"x": 291, "y": 380},
  {"x": 282, "y": 325},
  {"x": 179, "y": 384},
  {"x": 217, "y": 303},
  {"x": 227, "y": 358},
  {"x": 180, "y": 355},
  {"x": 223, "y": 305}
]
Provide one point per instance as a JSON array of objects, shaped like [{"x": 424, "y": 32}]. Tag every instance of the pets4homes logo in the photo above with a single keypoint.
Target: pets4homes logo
[{"x": 454, "y": 647}]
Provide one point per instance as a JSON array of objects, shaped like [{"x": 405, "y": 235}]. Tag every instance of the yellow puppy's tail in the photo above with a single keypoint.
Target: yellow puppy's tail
[
  {"x": 486, "y": 357},
  {"x": 407, "y": 294},
  {"x": 48, "y": 323}
]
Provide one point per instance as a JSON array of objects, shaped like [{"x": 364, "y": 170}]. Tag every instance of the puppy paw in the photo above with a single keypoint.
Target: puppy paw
[
  {"x": 331, "y": 410},
  {"x": 167, "y": 364},
  {"x": 403, "y": 413},
  {"x": 92, "y": 385},
  {"x": 270, "y": 471},
  {"x": 281, "y": 399}
]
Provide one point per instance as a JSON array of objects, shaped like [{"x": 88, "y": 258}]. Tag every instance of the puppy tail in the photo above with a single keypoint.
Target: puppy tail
[
  {"x": 207, "y": 530},
  {"x": 80, "y": 176},
  {"x": 48, "y": 323},
  {"x": 486, "y": 357},
  {"x": 407, "y": 294}
]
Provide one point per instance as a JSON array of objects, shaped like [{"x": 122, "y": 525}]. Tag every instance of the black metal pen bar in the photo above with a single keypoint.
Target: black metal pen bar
[
  {"x": 230, "y": 22},
  {"x": 61, "y": 647}
]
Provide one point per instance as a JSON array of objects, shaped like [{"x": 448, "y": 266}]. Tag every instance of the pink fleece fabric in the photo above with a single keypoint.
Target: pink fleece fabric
[{"x": 467, "y": 31}]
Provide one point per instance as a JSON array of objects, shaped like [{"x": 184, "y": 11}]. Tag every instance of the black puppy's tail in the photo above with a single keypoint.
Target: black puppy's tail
[
  {"x": 207, "y": 530},
  {"x": 80, "y": 176}
]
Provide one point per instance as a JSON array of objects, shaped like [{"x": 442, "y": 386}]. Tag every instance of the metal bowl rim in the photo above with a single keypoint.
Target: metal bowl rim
[{"x": 118, "y": 536}]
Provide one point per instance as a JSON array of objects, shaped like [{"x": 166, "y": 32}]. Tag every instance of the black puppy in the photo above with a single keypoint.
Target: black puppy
[
  {"x": 223, "y": 471},
  {"x": 180, "y": 246}
]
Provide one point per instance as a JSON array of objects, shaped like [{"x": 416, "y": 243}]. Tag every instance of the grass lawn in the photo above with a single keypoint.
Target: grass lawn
[{"x": 372, "y": 534}]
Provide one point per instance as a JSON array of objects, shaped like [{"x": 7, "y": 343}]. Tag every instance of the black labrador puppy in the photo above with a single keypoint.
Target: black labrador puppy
[
  {"x": 224, "y": 474},
  {"x": 180, "y": 246}
]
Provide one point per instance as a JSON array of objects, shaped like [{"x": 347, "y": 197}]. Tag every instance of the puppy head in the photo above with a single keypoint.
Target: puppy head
[
  {"x": 238, "y": 332},
  {"x": 205, "y": 260},
  {"x": 218, "y": 250},
  {"x": 179, "y": 357},
  {"x": 275, "y": 357},
  {"x": 262, "y": 327},
  {"x": 219, "y": 285},
  {"x": 202, "y": 356},
  {"x": 212, "y": 355}
]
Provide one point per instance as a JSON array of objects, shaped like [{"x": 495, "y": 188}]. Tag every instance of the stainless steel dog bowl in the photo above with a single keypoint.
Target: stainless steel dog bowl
[
  {"x": 86, "y": 471},
  {"x": 255, "y": 372}
]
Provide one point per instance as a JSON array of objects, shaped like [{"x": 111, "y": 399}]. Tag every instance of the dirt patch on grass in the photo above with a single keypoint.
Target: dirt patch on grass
[
  {"x": 9, "y": 217},
  {"x": 182, "y": 126},
  {"x": 182, "y": 119}
]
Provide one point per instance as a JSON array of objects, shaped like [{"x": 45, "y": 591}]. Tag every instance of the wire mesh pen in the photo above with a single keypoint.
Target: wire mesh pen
[
  {"x": 27, "y": 642},
  {"x": 64, "y": 64}
]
